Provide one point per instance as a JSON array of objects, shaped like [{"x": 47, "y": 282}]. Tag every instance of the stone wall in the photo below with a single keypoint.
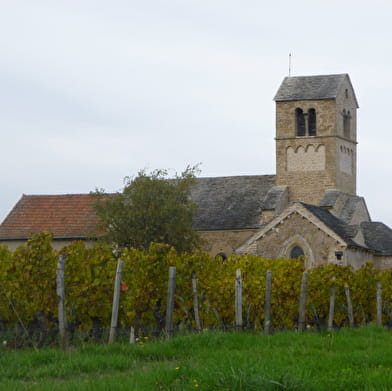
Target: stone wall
[
  {"x": 309, "y": 165},
  {"x": 224, "y": 242},
  {"x": 306, "y": 184},
  {"x": 267, "y": 216},
  {"x": 319, "y": 248},
  {"x": 56, "y": 244},
  {"x": 383, "y": 262},
  {"x": 356, "y": 258},
  {"x": 305, "y": 159},
  {"x": 349, "y": 104},
  {"x": 346, "y": 143}
]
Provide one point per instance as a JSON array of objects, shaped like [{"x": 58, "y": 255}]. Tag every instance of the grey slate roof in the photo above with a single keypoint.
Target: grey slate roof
[
  {"x": 311, "y": 87},
  {"x": 273, "y": 197},
  {"x": 350, "y": 204},
  {"x": 330, "y": 197},
  {"x": 378, "y": 236},
  {"x": 230, "y": 202},
  {"x": 339, "y": 226},
  {"x": 349, "y": 208}
]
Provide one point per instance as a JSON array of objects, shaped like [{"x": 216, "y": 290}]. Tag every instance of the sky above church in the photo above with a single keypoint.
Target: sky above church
[{"x": 92, "y": 91}]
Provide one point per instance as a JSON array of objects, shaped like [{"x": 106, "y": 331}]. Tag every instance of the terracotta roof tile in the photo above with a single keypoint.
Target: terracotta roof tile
[{"x": 65, "y": 216}]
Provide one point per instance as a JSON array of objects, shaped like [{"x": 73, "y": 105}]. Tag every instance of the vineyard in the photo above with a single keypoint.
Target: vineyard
[{"x": 29, "y": 304}]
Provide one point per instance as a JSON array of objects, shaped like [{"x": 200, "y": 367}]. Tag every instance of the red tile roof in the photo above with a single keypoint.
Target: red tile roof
[{"x": 65, "y": 216}]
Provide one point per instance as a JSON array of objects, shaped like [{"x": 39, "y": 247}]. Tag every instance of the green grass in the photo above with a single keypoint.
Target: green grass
[{"x": 356, "y": 359}]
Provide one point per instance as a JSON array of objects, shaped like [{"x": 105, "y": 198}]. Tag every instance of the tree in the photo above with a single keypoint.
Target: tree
[{"x": 150, "y": 208}]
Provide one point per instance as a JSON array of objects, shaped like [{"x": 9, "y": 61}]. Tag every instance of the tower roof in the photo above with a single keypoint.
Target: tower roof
[{"x": 312, "y": 87}]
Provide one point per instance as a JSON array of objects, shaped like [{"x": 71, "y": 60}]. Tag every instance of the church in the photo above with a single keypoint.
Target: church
[{"x": 310, "y": 208}]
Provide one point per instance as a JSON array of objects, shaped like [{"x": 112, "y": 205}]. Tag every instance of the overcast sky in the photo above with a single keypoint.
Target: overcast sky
[{"x": 92, "y": 91}]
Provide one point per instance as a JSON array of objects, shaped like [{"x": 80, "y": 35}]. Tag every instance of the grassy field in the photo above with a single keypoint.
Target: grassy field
[{"x": 356, "y": 359}]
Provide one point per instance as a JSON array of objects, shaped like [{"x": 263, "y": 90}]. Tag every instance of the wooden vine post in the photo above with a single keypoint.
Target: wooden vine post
[
  {"x": 332, "y": 305},
  {"x": 267, "y": 303},
  {"x": 195, "y": 302},
  {"x": 132, "y": 338},
  {"x": 238, "y": 300},
  {"x": 379, "y": 304},
  {"x": 116, "y": 301},
  {"x": 350, "y": 313},
  {"x": 302, "y": 302},
  {"x": 60, "y": 290},
  {"x": 169, "y": 325}
]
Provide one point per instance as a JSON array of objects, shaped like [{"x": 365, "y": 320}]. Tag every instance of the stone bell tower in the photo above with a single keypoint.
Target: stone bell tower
[{"x": 316, "y": 136}]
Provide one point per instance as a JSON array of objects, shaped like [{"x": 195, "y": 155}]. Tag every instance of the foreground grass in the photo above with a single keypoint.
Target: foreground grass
[{"x": 356, "y": 359}]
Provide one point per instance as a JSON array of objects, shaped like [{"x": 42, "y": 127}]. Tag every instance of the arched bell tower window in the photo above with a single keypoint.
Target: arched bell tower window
[
  {"x": 312, "y": 122},
  {"x": 300, "y": 122},
  {"x": 346, "y": 123},
  {"x": 305, "y": 123},
  {"x": 296, "y": 252}
]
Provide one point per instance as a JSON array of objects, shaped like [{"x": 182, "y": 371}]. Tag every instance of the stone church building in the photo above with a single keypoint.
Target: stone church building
[{"x": 310, "y": 207}]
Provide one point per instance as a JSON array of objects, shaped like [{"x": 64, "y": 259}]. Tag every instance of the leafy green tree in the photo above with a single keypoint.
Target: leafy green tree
[{"x": 150, "y": 208}]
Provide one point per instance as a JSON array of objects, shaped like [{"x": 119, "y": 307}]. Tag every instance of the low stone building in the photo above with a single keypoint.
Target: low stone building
[
  {"x": 310, "y": 207},
  {"x": 67, "y": 217}
]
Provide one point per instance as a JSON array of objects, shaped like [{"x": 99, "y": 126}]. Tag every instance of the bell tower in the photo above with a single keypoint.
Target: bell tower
[{"x": 316, "y": 136}]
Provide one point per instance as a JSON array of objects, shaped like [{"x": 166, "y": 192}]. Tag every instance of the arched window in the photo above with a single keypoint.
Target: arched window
[
  {"x": 299, "y": 122},
  {"x": 296, "y": 252},
  {"x": 305, "y": 123},
  {"x": 312, "y": 122},
  {"x": 346, "y": 123}
]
